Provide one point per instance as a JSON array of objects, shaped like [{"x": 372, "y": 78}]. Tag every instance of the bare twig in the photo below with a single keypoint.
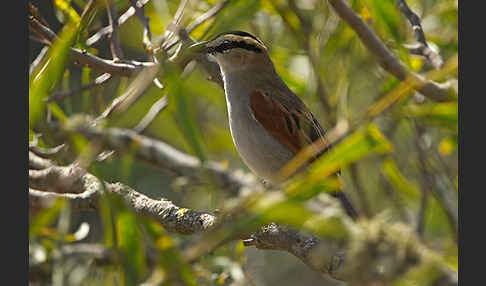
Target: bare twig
[
  {"x": 387, "y": 60},
  {"x": 42, "y": 54},
  {"x": 166, "y": 157},
  {"x": 36, "y": 162},
  {"x": 46, "y": 152},
  {"x": 127, "y": 68},
  {"x": 99, "y": 81},
  {"x": 365, "y": 206},
  {"x": 104, "y": 32},
  {"x": 158, "y": 106},
  {"x": 206, "y": 16},
  {"x": 423, "y": 47},
  {"x": 147, "y": 36},
  {"x": 136, "y": 88},
  {"x": 424, "y": 181},
  {"x": 115, "y": 48},
  {"x": 211, "y": 67},
  {"x": 305, "y": 36},
  {"x": 166, "y": 44}
]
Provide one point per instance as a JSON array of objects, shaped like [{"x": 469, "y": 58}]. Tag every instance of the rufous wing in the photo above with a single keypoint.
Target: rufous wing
[{"x": 293, "y": 128}]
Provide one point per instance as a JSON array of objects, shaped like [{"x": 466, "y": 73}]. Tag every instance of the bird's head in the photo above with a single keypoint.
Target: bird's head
[{"x": 235, "y": 51}]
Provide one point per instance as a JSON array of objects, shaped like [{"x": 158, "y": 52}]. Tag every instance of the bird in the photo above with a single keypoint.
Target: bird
[{"x": 268, "y": 122}]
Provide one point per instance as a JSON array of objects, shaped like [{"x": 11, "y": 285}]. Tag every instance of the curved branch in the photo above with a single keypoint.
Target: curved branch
[
  {"x": 387, "y": 60},
  {"x": 166, "y": 157},
  {"x": 370, "y": 246},
  {"x": 125, "y": 68},
  {"x": 423, "y": 47}
]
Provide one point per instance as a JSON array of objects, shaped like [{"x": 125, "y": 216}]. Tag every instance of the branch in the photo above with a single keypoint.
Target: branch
[
  {"x": 104, "y": 32},
  {"x": 147, "y": 36},
  {"x": 157, "y": 107},
  {"x": 99, "y": 81},
  {"x": 127, "y": 68},
  {"x": 88, "y": 189},
  {"x": 387, "y": 60},
  {"x": 206, "y": 16},
  {"x": 115, "y": 48},
  {"x": 423, "y": 47},
  {"x": 164, "y": 156},
  {"x": 182, "y": 59},
  {"x": 372, "y": 244}
]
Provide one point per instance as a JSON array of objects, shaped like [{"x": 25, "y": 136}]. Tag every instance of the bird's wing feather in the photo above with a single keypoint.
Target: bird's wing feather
[{"x": 294, "y": 128}]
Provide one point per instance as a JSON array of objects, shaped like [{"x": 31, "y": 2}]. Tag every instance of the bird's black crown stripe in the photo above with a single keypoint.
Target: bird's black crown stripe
[{"x": 234, "y": 44}]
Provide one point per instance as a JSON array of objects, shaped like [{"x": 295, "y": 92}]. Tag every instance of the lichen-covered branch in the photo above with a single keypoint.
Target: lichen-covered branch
[
  {"x": 375, "y": 253},
  {"x": 83, "y": 191},
  {"x": 164, "y": 156}
]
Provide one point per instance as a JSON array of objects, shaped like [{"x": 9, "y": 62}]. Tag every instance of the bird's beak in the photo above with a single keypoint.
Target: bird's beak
[{"x": 200, "y": 48}]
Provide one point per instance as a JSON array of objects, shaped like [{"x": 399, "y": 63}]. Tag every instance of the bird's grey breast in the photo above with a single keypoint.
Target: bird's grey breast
[{"x": 261, "y": 152}]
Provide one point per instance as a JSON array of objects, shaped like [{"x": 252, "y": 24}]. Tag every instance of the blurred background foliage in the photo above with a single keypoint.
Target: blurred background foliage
[{"x": 310, "y": 48}]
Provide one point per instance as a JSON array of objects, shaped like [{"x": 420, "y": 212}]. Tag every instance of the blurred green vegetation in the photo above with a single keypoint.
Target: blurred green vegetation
[{"x": 384, "y": 162}]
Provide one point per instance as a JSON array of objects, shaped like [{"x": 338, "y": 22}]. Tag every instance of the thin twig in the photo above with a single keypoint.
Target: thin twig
[
  {"x": 42, "y": 54},
  {"x": 105, "y": 31},
  {"x": 158, "y": 106},
  {"x": 115, "y": 48},
  {"x": 36, "y": 162},
  {"x": 136, "y": 88},
  {"x": 172, "y": 27},
  {"x": 47, "y": 152},
  {"x": 387, "y": 60},
  {"x": 365, "y": 206},
  {"x": 127, "y": 68},
  {"x": 147, "y": 36},
  {"x": 206, "y": 16},
  {"x": 99, "y": 81},
  {"x": 166, "y": 157},
  {"x": 423, "y": 47},
  {"x": 424, "y": 180},
  {"x": 305, "y": 36}
]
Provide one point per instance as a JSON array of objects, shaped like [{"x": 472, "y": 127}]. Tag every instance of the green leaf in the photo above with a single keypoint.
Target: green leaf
[
  {"x": 387, "y": 19},
  {"x": 445, "y": 113},
  {"x": 183, "y": 112},
  {"x": 361, "y": 143},
  {"x": 132, "y": 247},
  {"x": 45, "y": 217},
  {"x": 390, "y": 171},
  {"x": 48, "y": 73},
  {"x": 234, "y": 14},
  {"x": 170, "y": 256}
]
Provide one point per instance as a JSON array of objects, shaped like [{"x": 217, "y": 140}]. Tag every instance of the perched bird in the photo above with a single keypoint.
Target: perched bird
[{"x": 269, "y": 123}]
